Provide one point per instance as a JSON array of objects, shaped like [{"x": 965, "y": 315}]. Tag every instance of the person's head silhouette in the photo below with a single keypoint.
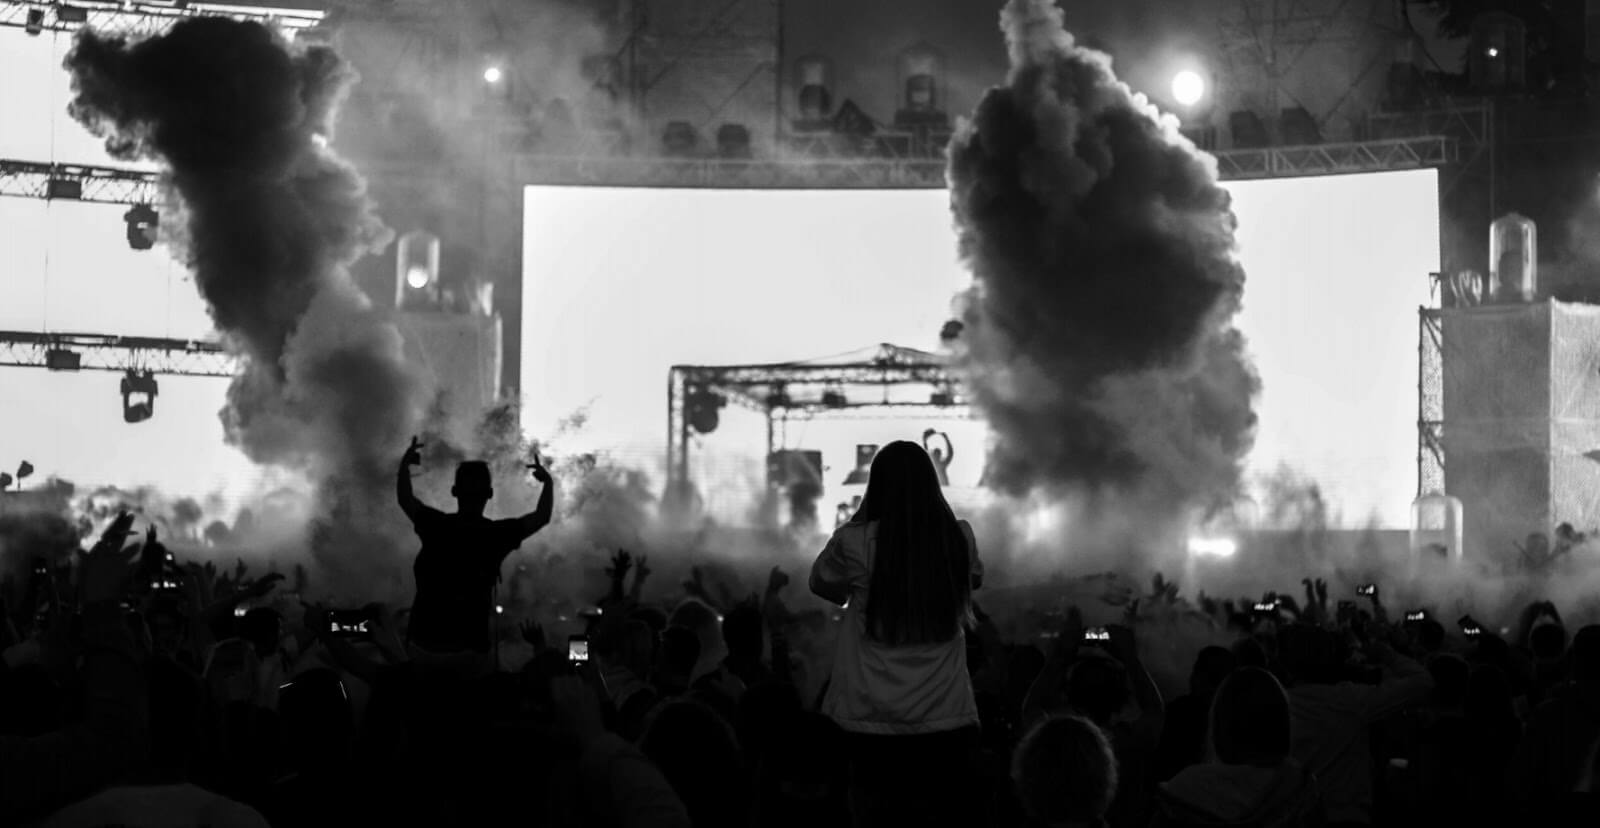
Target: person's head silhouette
[{"x": 473, "y": 487}]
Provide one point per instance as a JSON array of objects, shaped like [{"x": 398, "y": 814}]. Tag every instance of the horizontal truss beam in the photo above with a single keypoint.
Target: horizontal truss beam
[
  {"x": 137, "y": 19},
  {"x": 103, "y": 185},
  {"x": 100, "y": 352}
]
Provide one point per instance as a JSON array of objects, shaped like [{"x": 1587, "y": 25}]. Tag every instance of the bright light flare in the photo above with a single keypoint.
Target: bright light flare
[
  {"x": 1493, "y": 52},
  {"x": 493, "y": 74},
  {"x": 418, "y": 277},
  {"x": 1220, "y": 548},
  {"x": 1188, "y": 88}
]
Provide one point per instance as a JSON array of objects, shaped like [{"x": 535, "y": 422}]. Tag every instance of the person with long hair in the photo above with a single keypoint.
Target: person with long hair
[{"x": 904, "y": 569}]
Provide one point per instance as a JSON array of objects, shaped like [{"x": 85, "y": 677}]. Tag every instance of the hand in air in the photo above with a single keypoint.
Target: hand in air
[
  {"x": 413, "y": 456},
  {"x": 776, "y": 580},
  {"x": 620, "y": 564},
  {"x": 263, "y": 585},
  {"x": 533, "y": 633},
  {"x": 537, "y": 467},
  {"x": 105, "y": 567}
]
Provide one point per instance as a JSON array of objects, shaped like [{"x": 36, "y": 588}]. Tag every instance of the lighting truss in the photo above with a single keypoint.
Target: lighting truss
[
  {"x": 100, "y": 352},
  {"x": 1430, "y": 401},
  {"x": 1337, "y": 159},
  {"x": 929, "y": 173},
  {"x": 136, "y": 19},
  {"x": 886, "y": 382},
  {"x": 104, "y": 185}
]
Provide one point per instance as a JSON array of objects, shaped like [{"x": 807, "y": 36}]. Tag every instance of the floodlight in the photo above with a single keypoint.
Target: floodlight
[{"x": 1188, "y": 88}]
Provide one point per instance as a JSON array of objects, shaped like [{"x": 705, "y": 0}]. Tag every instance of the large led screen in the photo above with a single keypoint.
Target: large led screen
[{"x": 621, "y": 284}]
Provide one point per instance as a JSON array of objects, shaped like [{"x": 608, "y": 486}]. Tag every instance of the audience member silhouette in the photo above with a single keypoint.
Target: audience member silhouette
[
  {"x": 459, "y": 564},
  {"x": 1065, "y": 773},
  {"x": 904, "y": 569}
]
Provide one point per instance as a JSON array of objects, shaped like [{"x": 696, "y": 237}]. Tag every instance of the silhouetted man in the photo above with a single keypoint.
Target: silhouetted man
[{"x": 461, "y": 554}]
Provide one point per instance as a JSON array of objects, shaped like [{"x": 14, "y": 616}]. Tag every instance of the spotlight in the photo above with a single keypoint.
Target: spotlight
[
  {"x": 35, "y": 24},
  {"x": 1188, "y": 88},
  {"x": 64, "y": 188},
  {"x": 1213, "y": 547},
  {"x": 703, "y": 410},
  {"x": 5, "y": 481},
  {"x": 1492, "y": 52},
  {"x": 834, "y": 399},
  {"x": 815, "y": 96},
  {"x": 72, "y": 14},
  {"x": 61, "y": 359},
  {"x": 139, "y": 391},
  {"x": 493, "y": 75},
  {"x": 733, "y": 141},
  {"x": 417, "y": 271},
  {"x": 143, "y": 224}
]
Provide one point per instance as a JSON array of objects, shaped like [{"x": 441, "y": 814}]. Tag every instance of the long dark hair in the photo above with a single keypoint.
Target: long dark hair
[{"x": 921, "y": 588}]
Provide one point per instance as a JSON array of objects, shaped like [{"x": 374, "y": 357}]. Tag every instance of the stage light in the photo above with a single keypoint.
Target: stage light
[
  {"x": 1188, "y": 88},
  {"x": 417, "y": 271},
  {"x": 815, "y": 97},
  {"x": 1221, "y": 548},
  {"x": 943, "y": 399},
  {"x": 61, "y": 359},
  {"x": 1493, "y": 52},
  {"x": 1297, "y": 128},
  {"x": 492, "y": 75},
  {"x": 143, "y": 225},
  {"x": 922, "y": 67},
  {"x": 834, "y": 399},
  {"x": 35, "y": 23},
  {"x": 139, "y": 391},
  {"x": 733, "y": 141},
  {"x": 64, "y": 188},
  {"x": 679, "y": 139},
  {"x": 1248, "y": 130},
  {"x": 703, "y": 410},
  {"x": 72, "y": 14}
]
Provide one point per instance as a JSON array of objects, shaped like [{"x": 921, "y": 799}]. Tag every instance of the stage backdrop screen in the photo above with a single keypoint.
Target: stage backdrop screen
[{"x": 621, "y": 284}]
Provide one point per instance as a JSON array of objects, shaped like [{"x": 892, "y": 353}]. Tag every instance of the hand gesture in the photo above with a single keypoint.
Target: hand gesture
[
  {"x": 537, "y": 467},
  {"x": 696, "y": 585},
  {"x": 776, "y": 580},
  {"x": 413, "y": 456},
  {"x": 640, "y": 570},
  {"x": 620, "y": 563},
  {"x": 104, "y": 570}
]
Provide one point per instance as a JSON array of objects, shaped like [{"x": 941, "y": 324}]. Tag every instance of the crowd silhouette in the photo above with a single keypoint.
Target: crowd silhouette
[{"x": 137, "y": 690}]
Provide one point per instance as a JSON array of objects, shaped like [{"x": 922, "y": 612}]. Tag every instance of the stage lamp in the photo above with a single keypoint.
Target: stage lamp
[
  {"x": 61, "y": 359},
  {"x": 733, "y": 141},
  {"x": 35, "y": 22},
  {"x": 943, "y": 399},
  {"x": 834, "y": 399},
  {"x": 816, "y": 96},
  {"x": 922, "y": 68},
  {"x": 703, "y": 410},
  {"x": 492, "y": 74},
  {"x": 139, "y": 391},
  {"x": 1188, "y": 88},
  {"x": 417, "y": 271},
  {"x": 779, "y": 398},
  {"x": 679, "y": 139},
  {"x": 72, "y": 14},
  {"x": 5, "y": 481},
  {"x": 143, "y": 224},
  {"x": 865, "y": 453},
  {"x": 64, "y": 188}
]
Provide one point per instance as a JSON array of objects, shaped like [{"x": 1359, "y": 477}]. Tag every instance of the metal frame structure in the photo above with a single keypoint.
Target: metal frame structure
[
  {"x": 98, "y": 352},
  {"x": 103, "y": 185},
  {"x": 1430, "y": 400},
  {"x": 136, "y": 19},
  {"x": 906, "y": 381}
]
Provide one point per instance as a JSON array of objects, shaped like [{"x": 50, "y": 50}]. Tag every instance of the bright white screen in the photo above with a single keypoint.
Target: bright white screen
[{"x": 621, "y": 284}]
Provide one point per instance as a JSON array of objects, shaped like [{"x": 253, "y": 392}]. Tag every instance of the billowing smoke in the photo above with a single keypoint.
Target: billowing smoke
[
  {"x": 1097, "y": 336},
  {"x": 270, "y": 221}
]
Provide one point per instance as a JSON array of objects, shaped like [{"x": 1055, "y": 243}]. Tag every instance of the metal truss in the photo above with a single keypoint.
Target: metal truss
[
  {"x": 929, "y": 173},
  {"x": 1337, "y": 159},
  {"x": 136, "y": 19},
  {"x": 1430, "y": 402},
  {"x": 99, "y": 352},
  {"x": 888, "y": 381},
  {"x": 105, "y": 185}
]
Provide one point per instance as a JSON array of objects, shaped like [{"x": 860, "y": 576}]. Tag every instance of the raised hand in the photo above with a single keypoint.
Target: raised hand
[
  {"x": 104, "y": 571},
  {"x": 776, "y": 580},
  {"x": 413, "y": 456},
  {"x": 537, "y": 467},
  {"x": 640, "y": 570},
  {"x": 620, "y": 563}
]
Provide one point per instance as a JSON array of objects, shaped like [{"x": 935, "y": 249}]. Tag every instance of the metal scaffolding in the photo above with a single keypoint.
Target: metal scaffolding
[
  {"x": 78, "y": 182},
  {"x": 135, "y": 19},
  {"x": 1430, "y": 401},
  {"x": 100, "y": 352},
  {"x": 888, "y": 380}
]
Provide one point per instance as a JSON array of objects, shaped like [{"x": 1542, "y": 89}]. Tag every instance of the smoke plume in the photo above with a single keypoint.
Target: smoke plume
[
  {"x": 1097, "y": 335},
  {"x": 270, "y": 220}
]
